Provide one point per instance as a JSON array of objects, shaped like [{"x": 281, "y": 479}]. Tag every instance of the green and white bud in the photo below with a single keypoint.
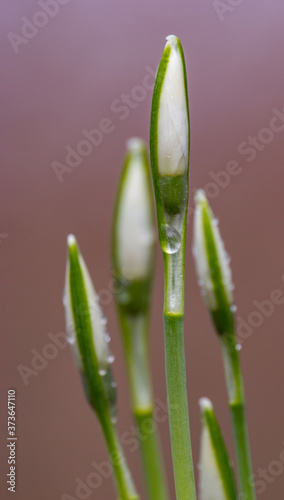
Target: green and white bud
[
  {"x": 86, "y": 330},
  {"x": 172, "y": 113},
  {"x": 89, "y": 308},
  {"x": 169, "y": 145},
  {"x": 134, "y": 225},
  {"x": 212, "y": 265},
  {"x": 133, "y": 229},
  {"x": 216, "y": 479}
]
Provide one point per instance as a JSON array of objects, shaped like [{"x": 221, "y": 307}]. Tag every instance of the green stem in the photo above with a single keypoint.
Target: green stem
[
  {"x": 238, "y": 416},
  {"x": 151, "y": 457},
  {"x": 136, "y": 346},
  {"x": 176, "y": 376},
  {"x": 125, "y": 487},
  {"x": 136, "y": 349}
]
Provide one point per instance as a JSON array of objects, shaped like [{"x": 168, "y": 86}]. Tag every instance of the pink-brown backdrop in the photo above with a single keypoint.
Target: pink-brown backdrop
[{"x": 67, "y": 66}]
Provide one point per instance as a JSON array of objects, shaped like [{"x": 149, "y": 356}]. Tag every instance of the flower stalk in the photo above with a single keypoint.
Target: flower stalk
[
  {"x": 169, "y": 147},
  {"x": 133, "y": 263},
  {"x": 88, "y": 340},
  {"x": 214, "y": 274}
]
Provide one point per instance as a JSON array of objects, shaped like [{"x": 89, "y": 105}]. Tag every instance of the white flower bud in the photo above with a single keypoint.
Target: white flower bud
[
  {"x": 134, "y": 234},
  {"x": 173, "y": 126}
]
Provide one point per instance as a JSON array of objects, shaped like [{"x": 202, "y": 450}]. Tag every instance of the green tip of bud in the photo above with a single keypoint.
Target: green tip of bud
[
  {"x": 212, "y": 265},
  {"x": 216, "y": 478}
]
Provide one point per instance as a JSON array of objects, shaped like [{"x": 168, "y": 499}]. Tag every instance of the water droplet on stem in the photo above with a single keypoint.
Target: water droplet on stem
[
  {"x": 110, "y": 358},
  {"x": 170, "y": 239}
]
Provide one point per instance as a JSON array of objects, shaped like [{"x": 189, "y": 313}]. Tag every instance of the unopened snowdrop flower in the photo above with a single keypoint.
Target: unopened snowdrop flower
[
  {"x": 216, "y": 479},
  {"x": 169, "y": 144},
  {"x": 172, "y": 144},
  {"x": 86, "y": 332},
  {"x": 133, "y": 228},
  {"x": 212, "y": 264}
]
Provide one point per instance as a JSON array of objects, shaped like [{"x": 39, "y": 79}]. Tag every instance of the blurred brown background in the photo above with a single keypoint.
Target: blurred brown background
[{"x": 66, "y": 67}]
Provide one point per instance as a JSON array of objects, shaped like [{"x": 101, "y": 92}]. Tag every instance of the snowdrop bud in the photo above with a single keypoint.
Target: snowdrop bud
[
  {"x": 170, "y": 112},
  {"x": 212, "y": 264},
  {"x": 216, "y": 479},
  {"x": 169, "y": 146},
  {"x": 134, "y": 234},
  {"x": 85, "y": 326}
]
